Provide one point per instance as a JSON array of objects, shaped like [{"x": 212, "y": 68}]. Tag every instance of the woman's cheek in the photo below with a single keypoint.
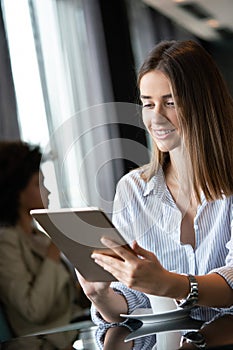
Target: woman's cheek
[{"x": 146, "y": 118}]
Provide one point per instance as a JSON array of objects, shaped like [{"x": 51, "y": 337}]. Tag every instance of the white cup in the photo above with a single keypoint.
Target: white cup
[{"x": 165, "y": 340}]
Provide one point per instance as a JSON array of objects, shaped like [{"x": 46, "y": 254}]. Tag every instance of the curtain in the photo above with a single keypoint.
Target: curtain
[
  {"x": 76, "y": 85},
  {"x": 9, "y": 128}
]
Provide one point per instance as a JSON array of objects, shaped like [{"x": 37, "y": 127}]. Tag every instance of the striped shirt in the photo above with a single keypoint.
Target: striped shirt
[{"x": 147, "y": 213}]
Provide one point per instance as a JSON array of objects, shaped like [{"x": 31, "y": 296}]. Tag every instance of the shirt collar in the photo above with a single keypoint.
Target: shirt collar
[{"x": 156, "y": 184}]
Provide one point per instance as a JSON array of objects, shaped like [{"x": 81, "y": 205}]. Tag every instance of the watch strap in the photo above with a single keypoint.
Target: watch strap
[
  {"x": 195, "y": 338},
  {"x": 192, "y": 297}
]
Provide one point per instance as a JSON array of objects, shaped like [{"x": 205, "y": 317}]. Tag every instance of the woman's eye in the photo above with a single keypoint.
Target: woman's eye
[
  {"x": 148, "y": 105},
  {"x": 170, "y": 104}
]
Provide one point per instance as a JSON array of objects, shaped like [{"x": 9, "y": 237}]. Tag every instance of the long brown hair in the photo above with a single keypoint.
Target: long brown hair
[{"x": 205, "y": 113}]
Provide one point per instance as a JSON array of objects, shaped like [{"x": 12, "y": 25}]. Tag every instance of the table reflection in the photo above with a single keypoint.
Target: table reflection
[
  {"x": 80, "y": 336},
  {"x": 218, "y": 335}
]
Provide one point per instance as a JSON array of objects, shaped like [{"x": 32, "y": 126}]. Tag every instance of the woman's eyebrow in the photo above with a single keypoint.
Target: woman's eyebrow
[
  {"x": 167, "y": 95},
  {"x": 144, "y": 97}
]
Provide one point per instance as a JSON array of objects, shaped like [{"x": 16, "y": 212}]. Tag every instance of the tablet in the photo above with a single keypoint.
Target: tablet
[{"x": 77, "y": 232}]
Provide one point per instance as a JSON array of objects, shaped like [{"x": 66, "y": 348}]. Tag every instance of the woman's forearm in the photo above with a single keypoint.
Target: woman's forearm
[
  {"x": 213, "y": 290},
  {"x": 110, "y": 305}
]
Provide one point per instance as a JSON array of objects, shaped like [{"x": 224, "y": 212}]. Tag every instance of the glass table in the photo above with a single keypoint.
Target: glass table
[
  {"x": 81, "y": 335},
  {"x": 218, "y": 335}
]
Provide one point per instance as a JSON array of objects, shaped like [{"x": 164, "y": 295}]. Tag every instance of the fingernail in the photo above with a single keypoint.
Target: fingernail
[{"x": 104, "y": 240}]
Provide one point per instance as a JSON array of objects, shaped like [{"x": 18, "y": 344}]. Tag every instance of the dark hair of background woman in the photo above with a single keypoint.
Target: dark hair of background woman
[{"x": 19, "y": 161}]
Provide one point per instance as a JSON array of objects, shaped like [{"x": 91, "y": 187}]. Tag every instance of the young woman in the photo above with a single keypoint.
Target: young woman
[
  {"x": 36, "y": 288},
  {"x": 177, "y": 210}
]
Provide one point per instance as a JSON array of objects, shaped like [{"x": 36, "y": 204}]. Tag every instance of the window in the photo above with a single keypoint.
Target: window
[{"x": 62, "y": 81}]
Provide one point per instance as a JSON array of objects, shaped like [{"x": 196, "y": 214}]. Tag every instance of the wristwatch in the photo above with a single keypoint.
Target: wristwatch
[
  {"x": 195, "y": 338},
  {"x": 192, "y": 297}
]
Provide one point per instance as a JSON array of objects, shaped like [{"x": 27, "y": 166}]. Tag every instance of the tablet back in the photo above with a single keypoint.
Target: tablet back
[{"x": 77, "y": 232}]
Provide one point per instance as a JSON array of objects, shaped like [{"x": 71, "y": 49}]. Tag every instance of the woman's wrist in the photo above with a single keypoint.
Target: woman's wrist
[
  {"x": 100, "y": 295},
  {"x": 110, "y": 305},
  {"x": 178, "y": 286}
]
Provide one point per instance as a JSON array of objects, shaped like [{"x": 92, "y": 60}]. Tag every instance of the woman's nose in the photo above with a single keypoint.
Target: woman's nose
[
  {"x": 157, "y": 114},
  {"x": 47, "y": 190},
  {"x": 158, "y": 109}
]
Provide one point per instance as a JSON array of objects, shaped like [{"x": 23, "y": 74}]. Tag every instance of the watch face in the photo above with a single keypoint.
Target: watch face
[{"x": 195, "y": 338}]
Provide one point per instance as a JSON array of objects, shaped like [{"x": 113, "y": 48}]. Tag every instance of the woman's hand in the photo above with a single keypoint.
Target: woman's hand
[
  {"x": 109, "y": 304},
  {"x": 93, "y": 289},
  {"x": 53, "y": 252},
  {"x": 138, "y": 269}
]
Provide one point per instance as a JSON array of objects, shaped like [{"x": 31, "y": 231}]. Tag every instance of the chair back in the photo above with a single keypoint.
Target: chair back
[{"x": 5, "y": 329}]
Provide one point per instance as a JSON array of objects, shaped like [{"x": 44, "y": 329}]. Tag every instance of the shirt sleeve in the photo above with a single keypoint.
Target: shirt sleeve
[
  {"x": 227, "y": 271},
  {"x": 134, "y": 300}
]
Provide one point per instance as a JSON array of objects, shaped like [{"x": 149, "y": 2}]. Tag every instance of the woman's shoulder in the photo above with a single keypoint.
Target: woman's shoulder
[
  {"x": 133, "y": 177},
  {"x": 136, "y": 178},
  {"x": 10, "y": 233}
]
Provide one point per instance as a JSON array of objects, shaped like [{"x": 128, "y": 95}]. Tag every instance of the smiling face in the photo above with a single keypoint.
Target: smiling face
[{"x": 159, "y": 113}]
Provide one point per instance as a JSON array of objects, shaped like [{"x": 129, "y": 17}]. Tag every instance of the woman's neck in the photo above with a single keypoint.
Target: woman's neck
[
  {"x": 25, "y": 222},
  {"x": 179, "y": 178},
  {"x": 180, "y": 168}
]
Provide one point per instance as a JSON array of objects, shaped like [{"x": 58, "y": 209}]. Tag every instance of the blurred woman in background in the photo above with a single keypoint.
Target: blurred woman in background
[{"x": 36, "y": 287}]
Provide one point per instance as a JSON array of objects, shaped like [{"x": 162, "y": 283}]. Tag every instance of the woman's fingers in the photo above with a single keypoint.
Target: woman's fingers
[
  {"x": 124, "y": 259},
  {"x": 125, "y": 252},
  {"x": 114, "y": 266},
  {"x": 136, "y": 268},
  {"x": 119, "y": 263},
  {"x": 139, "y": 251},
  {"x": 108, "y": 261}
]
